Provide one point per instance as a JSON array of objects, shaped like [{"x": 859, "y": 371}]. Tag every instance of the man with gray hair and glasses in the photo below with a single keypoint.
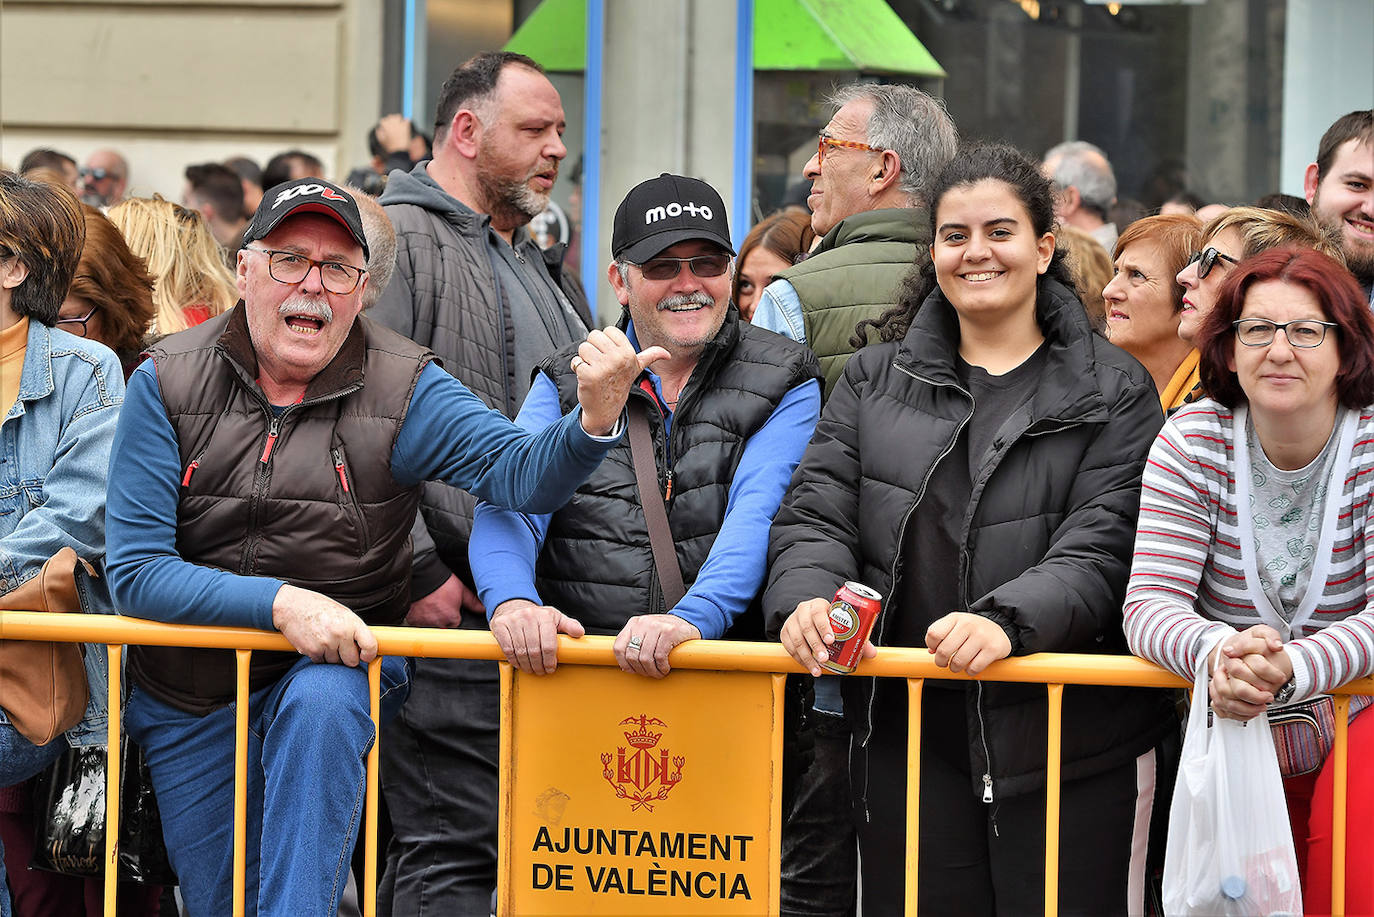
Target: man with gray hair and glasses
[
  {"x": 1084, "y": 188},
  {"x": 868, "y": 180},
  {"x": 869, "y": 176}
]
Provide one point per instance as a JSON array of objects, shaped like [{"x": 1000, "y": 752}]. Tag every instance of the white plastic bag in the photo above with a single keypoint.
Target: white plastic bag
[{"x": 1230, "y": 847}]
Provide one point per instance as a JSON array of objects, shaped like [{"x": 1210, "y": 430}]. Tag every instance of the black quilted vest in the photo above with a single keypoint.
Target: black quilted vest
[
  {"x": 283, "y": 510},
  {"x": 596, "y": 564}
]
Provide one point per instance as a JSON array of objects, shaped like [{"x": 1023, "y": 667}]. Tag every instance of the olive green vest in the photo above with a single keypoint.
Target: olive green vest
[{"x": 852, "y": 275}]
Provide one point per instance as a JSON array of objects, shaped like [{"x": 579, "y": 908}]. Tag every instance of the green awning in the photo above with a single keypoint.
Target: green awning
[{"x": 808, "y": 35}]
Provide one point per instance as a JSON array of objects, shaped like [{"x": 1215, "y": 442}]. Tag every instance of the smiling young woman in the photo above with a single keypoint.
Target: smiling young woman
[{"x": 993, "y": 434}]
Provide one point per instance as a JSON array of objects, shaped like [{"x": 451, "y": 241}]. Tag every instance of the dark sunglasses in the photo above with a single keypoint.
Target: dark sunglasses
[
  {"x": 668, "y": 268},
  {"x": 1207, "y": 259},
  {"x": 96, "y": 174}
]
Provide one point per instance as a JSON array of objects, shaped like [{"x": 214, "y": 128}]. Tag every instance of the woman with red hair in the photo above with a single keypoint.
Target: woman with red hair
[{"x": 1255, "y": 513}]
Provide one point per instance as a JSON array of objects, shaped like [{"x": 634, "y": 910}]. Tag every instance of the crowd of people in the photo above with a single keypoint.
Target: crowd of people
[{"x": 952, "y": 377}]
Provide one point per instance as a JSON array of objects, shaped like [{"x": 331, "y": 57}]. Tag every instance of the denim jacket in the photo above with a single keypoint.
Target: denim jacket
[{"x": 54, "y": 461}]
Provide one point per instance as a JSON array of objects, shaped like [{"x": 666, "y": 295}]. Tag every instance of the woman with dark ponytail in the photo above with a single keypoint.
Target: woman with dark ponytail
[{"x": 982, "y": 471}]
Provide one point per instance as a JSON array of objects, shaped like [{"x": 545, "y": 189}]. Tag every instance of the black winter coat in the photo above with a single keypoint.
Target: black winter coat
[{"x": 1047, "y": 536}]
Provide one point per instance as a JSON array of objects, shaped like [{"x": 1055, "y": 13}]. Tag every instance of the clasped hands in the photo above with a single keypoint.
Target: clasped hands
[
  {"x": 528, "y": 636},
  {"x": 1248, "y": 669}
]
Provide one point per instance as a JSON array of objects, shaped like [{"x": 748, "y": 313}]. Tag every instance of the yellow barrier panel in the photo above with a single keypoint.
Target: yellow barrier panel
[
  {"x": 1052, "y": 669},
  {"x": 630, "y": 795}
]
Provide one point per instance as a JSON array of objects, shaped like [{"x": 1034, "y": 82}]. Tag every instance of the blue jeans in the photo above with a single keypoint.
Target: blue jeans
[
  {"x": 20, "y": 759},
  {"x": 308, "y": 738}
]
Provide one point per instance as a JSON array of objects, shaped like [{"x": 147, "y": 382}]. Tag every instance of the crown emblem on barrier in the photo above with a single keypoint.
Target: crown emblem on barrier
[
  {"x": 638, "y": 774},
  {"x": 642, "y": 737}
]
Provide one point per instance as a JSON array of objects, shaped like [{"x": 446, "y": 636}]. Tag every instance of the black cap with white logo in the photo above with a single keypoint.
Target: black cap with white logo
[
  {"x": 306, "y": 195},
  {"x": 664, "y": 211}
]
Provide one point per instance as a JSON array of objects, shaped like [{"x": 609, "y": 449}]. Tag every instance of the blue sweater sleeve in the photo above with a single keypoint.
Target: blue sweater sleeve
[
  {"x": 148, "y": 578},
  {"x": 449, "y": 435},
  {"x": 735, "y": 567},
  {"x": 505, "y": 544}
]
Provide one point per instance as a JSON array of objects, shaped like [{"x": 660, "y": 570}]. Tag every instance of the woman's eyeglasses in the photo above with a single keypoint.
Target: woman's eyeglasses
[
  {"x": 1207, "y": 259},
  {"x": 1260, "y": 332},
  {"x": 77, "y": 326}
]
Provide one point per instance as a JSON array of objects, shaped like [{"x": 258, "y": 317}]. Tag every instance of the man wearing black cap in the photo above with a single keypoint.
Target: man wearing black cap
[
  {"x": 726, "y": 417},
  {"x": 269, "y": 463}
]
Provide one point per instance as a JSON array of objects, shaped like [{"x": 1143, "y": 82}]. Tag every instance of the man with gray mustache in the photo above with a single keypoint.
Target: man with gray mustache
[
  {"x": 724, "y": 420},
  {"x": 270, "y": 463}
]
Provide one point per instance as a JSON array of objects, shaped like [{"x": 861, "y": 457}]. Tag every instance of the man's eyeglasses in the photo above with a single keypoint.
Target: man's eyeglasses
[
  {"x": 668, "y": 268},
  {"x": 841, "y": 144},
  {"x": 289, "y": 267},
  {"x": 1260, "y": 332},
  {"x": 77, "y": 326},
  {"x": 96, "y": 174},
  {"x": 1207, "y": 259}
]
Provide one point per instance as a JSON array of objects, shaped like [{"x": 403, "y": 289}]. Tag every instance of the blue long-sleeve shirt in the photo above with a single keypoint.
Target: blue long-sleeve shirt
[
  {"x": 448, "y": 435},
  {"x": 505, "y": 545}
]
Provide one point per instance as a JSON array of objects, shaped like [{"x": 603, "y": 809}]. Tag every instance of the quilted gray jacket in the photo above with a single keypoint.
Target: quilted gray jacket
[{"x": 445, "y": 296}]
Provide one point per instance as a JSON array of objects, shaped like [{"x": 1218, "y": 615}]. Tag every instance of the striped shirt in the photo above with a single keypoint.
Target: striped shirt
[{"x": 1189, "y": 587}]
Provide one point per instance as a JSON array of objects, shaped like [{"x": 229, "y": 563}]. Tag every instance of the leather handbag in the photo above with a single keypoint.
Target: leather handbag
[{"x": 43, "y": 686}]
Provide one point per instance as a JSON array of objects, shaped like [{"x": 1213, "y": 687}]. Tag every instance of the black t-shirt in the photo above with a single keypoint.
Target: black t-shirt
[{"x": 930, "y": 587}]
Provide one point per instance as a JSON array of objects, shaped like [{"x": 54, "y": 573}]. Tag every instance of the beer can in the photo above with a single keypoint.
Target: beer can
[{"x": 851, "y": 615}]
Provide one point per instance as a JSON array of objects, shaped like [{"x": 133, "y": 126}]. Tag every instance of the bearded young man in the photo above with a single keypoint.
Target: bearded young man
[
  {"x": 1340, "y": 188},
  {"x": 472, "y": 286}
]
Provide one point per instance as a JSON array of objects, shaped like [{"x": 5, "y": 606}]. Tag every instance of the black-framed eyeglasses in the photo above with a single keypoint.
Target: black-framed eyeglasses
[
  {"x": 290, "y": 267},
  {"x": 668, "y": 268},
  {"x": 77, "y": 326},
  {"x": 1260, "y": 332},
  {"x": 96, "y": 174},
  {"x": 1207, "y": 259}
]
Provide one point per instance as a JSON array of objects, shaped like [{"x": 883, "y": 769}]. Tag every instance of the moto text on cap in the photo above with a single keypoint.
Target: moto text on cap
[{"x": 664, "y": 211}]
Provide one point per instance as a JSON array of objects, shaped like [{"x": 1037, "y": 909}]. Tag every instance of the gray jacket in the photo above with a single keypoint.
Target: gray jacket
[{"x": 445, "y": 295}]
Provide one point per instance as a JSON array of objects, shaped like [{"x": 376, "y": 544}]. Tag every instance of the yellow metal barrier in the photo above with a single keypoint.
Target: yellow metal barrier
[{"x": 1055, "y": 670}]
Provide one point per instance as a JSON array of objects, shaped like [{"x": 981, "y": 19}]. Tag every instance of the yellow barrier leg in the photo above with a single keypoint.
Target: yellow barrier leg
[
  {"x": 776, "y": 815},
  {"x": 503, "y": 794},
  {"x": 914, "y": 688},
  {"x": 112, "y": 763},
  {"x": 374, "y": 690},
  {"x": 1341, "y": 752},
  {"x": 1056, "y": 698},
  {"x": 241, "y": 658}
]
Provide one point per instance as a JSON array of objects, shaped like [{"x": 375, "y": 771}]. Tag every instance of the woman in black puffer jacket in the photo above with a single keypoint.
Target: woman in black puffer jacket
[{"x": 982, "y": 471}]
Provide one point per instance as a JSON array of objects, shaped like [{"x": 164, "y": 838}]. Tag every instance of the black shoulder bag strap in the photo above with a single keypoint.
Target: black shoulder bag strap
[{"x": 655, "y": 512}]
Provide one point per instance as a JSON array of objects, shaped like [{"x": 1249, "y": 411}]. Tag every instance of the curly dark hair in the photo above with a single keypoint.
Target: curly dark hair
[{"x": 972, "y": 164}]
